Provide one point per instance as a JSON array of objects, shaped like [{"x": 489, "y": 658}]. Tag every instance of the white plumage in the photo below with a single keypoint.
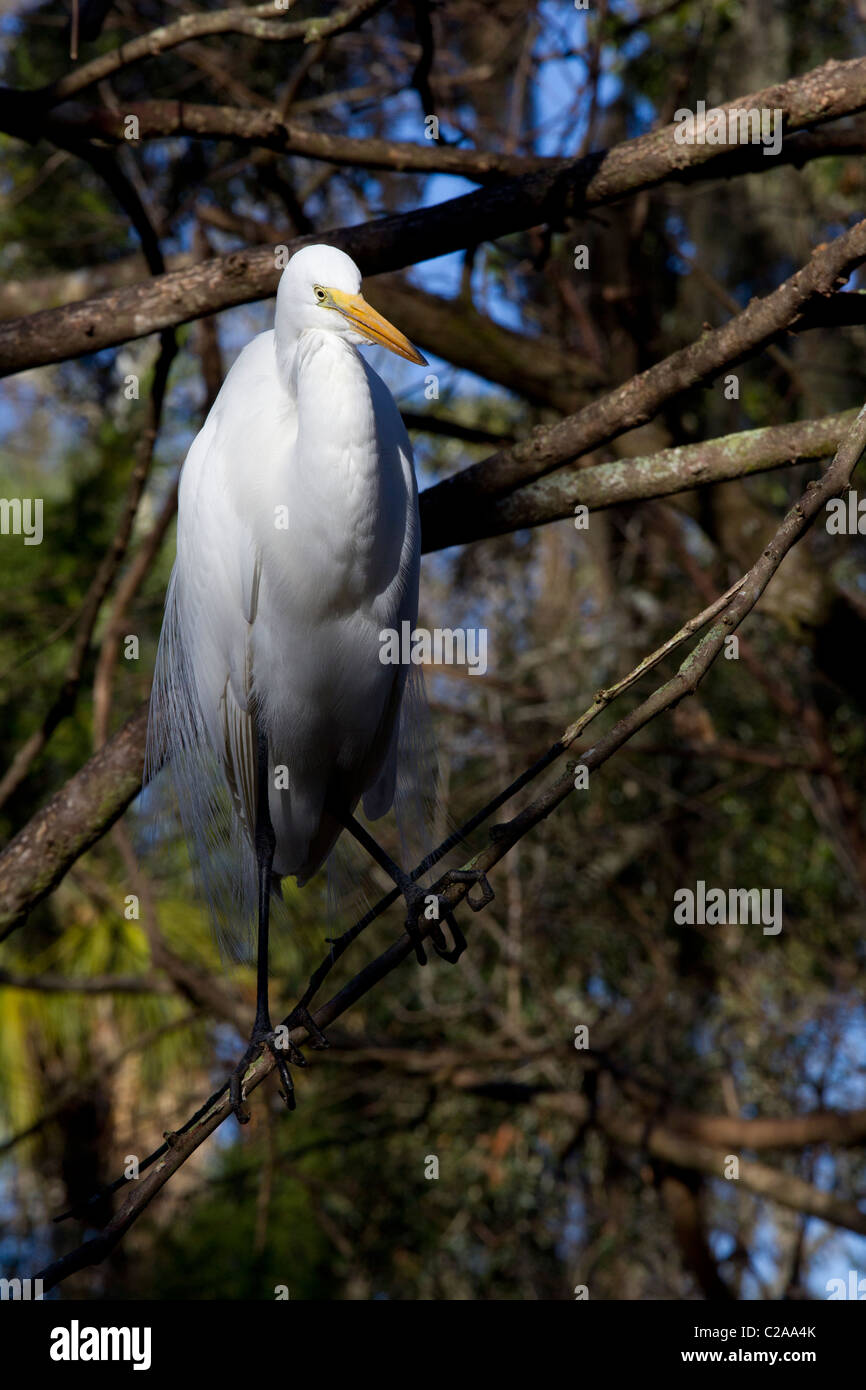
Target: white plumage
[{"x": 298, "y": 543}]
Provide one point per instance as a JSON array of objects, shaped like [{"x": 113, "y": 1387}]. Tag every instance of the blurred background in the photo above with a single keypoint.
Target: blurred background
[{"x": 114, "y": 1027}]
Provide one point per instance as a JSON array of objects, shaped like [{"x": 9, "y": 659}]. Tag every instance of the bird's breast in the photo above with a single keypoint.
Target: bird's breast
[{"x": 349, "y": 498}]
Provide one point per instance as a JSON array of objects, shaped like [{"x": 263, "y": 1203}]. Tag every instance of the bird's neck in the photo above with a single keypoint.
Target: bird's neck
[
  {"x": 350, "y": 497},
  {"x": 336, "y": 419}
]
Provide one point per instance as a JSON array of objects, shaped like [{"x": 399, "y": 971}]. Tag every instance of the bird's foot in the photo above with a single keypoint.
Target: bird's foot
[
  {"x": 302, "y": 1018},
  {"x": 279, "y": 1044},
  {"x": 472, "y": 876},
  {"x": 436, "y": 908}
]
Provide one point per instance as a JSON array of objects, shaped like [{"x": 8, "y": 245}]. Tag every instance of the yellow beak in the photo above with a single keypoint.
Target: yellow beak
[{"x": 374, "y": 327}]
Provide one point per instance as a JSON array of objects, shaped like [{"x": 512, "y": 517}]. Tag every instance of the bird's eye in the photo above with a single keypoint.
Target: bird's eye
[{"x": 320, "y": 294}]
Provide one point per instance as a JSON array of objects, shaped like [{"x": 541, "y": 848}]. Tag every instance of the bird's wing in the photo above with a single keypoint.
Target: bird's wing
[
  {"x": 237, "y": 751},
  {"x": 201, "y": 716},
  {"x": 408, "y": 779}
]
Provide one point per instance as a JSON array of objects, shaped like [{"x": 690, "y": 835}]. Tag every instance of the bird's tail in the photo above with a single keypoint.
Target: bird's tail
[{"x": 185, "y": 790}]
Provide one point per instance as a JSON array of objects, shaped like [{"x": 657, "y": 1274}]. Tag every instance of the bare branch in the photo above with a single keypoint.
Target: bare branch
[
  {"x": 759, "y": 1178},
  {"x": 640, "y": 398},
  {"x": 256, "y": 21},
  {"x": 270, "y": 130},
  {"x": 74, "y": 819},
  {"x": 639, "y": 479},
  {"x": 390, "y": 243}
]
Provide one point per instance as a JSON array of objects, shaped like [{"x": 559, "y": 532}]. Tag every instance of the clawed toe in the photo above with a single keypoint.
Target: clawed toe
[
  {"x": 236, "y": 1099},
  {"x": 417, "y": 902},
  {"x": 285, "y": 1075},
  {"x": 473, "y": 876},
  {"x": 302, "y": 1018},
  {"x": 440, "y": 946},
  {"x": 285, "y": 1054}
]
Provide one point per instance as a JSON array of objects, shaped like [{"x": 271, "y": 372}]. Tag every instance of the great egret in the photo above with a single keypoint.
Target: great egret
[{"x": 298, "y": 542}]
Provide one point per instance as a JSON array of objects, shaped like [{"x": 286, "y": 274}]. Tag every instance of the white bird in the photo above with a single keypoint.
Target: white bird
[{"x": 298, "y": 543}]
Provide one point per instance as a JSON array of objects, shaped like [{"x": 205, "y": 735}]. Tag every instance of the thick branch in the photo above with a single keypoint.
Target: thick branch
[
  {"x": 785, "y": 1132},
  {"x": 549, "y": 195},
  {"x": 271, "y": 131},
  {"x": 268, "y": 129},
  {"x": 74, "y": 819},
  {"x": 641, "y": 397},
  {"x": 639, "y": 479},
  {"x": 759, "y": 1178}
]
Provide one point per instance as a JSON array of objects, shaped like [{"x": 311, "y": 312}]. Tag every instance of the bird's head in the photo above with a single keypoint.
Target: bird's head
[{"x": 320, "y": 289}]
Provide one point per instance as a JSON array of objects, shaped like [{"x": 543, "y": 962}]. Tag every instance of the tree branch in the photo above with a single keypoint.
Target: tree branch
[
  {"x": 256, "y": 21},
  {"x": 76, "y": 817},
  {"x": 270, "y": 130},
  {"x": 642, "y": 396},
  {"x": 567, "y": 190},
  {"x": 639, "y": 479}
]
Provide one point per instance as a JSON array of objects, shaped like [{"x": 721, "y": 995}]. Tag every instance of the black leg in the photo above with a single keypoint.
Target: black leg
[
  {"x": 416, "y": 898},
  {"x": 263, "y": 1033}
]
